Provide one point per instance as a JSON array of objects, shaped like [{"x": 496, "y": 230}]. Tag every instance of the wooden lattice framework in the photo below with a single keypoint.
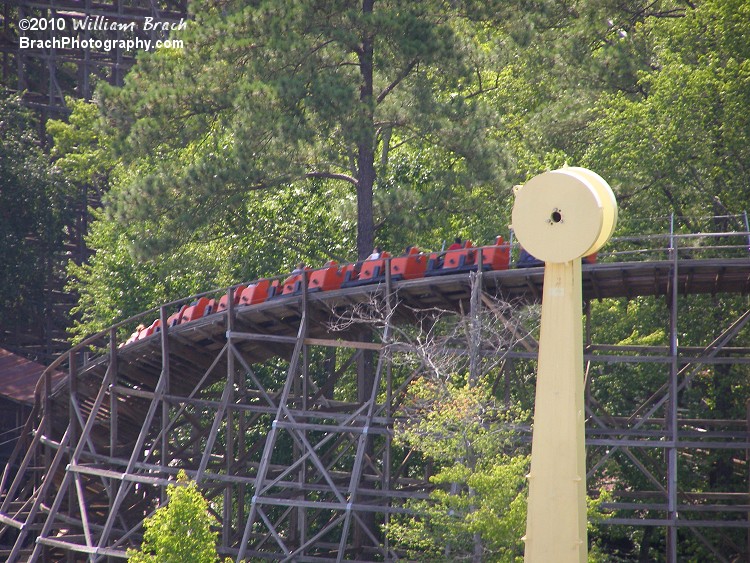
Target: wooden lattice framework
[
  {"x": 47, "y": 75},
  {"x": 300, "y": 467}
]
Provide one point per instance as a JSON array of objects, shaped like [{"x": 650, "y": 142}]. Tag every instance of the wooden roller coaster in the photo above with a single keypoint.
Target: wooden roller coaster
[{"x": 286, "y": 423}]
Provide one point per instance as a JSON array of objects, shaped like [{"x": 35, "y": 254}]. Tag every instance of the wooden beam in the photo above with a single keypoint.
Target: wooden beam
[{"x": 344, "y": 344}]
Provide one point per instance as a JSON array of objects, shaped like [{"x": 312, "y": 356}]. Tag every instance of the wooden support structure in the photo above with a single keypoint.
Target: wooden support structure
[
  {"x": 261, "y": 405},
  {"x": 62, "y": 66}
]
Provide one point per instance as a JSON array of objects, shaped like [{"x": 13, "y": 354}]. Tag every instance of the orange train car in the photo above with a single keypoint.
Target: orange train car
[
  {"x": 332, "y": 276},
  {"x": 327, "y": 278},
  {"x": 255, "y": 293},
  {"x": 224, "y": 301},
  {"x": 409, "y": 267},
  {"x": 196, "y": 310},
  {"x": 496, "y": 257}
]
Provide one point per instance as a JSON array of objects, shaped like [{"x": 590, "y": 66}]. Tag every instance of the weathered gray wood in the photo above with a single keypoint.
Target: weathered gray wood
[{"x": 217, "y": 348}]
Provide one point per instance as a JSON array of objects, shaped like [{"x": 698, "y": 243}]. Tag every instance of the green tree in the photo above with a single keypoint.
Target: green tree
[
  {"x": 270, "y": 94},
  {"x": 33, "y": 196},
  {"x": 116, "y": 283},
  {"x": 82, "y": 147},
  {"x": 682, "y": 143},
  {"x": 181, "y": 530},
  {"x": 561, "y": 67},
  {"x": 478, "y": 507}
]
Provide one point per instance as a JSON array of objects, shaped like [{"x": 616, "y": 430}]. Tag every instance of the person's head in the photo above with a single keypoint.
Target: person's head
[
  {"x": 300, "y": 265},
  {"x": 376, "y": 250},
  {"x": 457, "y": 240}
]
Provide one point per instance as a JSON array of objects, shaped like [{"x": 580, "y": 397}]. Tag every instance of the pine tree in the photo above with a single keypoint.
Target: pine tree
[{"x": 270, "y": 94}]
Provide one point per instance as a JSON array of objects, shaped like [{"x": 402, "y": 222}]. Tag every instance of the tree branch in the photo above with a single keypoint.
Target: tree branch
[
  {"x": 403, "y": 74},
  {"x": 333, "y": 176}
]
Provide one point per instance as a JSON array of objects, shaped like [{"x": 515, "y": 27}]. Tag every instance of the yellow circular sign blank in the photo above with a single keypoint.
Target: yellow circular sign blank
[{"x": 562, "y": 215}]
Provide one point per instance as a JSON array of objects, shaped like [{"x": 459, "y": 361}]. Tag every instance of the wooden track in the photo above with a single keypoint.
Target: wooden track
[
  {"x": 280, "y": 317},
  {"x": 198, "y": 341},
  {"x": 124, "y": 384}
]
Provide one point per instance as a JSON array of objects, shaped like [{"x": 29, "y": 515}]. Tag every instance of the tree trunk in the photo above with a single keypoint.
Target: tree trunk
[
  {"x": 366, "y": 148},
  {"x": 365, "y": 233}
]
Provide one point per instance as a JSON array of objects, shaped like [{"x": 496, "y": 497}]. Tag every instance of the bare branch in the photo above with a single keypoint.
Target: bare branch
[
  {"x": 436, "y": 343},
  {"x": 333, "y": 176}
]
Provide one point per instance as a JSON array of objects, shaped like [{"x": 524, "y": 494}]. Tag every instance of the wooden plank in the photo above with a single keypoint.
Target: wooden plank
[
  {"x": 258, "y": 337},
  {"x": 7, "y": 520},
  {"x": 70, "y": 546},
  {"x": 344, "y": 344}
]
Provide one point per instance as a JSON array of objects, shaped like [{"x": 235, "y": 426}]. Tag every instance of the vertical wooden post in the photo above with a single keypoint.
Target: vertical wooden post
[
  {"x": 226, "y": 528},
  {"x": 302, "y": 403},
  {"x": 474, "y": 324},
  {"x": 113, "y": 426},
  {"x": 113, "y": 411},
  {"x": 73, "y": 422},
  {"x": 48, "y": 457},
  {"x": 671, "y": 418},
  {"x": 164, "y": 406},
  {"x": 387, "y": 453},
  {"x": 241, "y": 447}
]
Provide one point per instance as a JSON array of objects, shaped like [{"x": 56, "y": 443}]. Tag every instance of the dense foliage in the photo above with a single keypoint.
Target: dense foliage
[
  {"x": 681, "y": 142},
  {"x": 478, "y": 509},
  {"x": 180, "y": 531},
  {"x": 33, "y": 196},
  {"x": 289, "y": 131},
  {"x": 268, "y": 95}
]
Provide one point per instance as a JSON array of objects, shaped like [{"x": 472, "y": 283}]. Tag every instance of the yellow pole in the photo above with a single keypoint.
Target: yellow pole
[
  {"x": 556, "y": 521},
  {"x": 558, "y": 217}
]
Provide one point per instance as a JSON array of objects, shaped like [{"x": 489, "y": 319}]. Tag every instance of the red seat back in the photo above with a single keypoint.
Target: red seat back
[
  {"x": 411, "y": 266},
  {"x": 255, "y": 293},
  {"x": 293, "y": 283},
  {"x": 458, "y": 258},
  {"x": 223, "y": 302},
  {"x": 327, "y": 278},
  {"x": 152, "y": 328},
  {"x": 373, "y": 268},
  {"x": 196, "y": 311},
  {"x": 496, "y": 257},
  {"x": 274, "y": 288},
  {"x": 175, "y": 318},
  {"x": 590, "y": 259}
]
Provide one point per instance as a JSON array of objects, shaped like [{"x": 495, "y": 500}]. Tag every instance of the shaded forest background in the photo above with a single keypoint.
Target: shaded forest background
[{"x": 301, "y": 131}]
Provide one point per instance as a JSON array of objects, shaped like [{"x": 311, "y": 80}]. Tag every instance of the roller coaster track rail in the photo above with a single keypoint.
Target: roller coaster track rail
[{"x": 300, "y": 466}]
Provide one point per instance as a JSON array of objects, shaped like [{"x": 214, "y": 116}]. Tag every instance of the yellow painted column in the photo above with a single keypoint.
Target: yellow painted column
[
  {"x": 556, "y": 521},
  {"x": 559, "y": 217}
]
